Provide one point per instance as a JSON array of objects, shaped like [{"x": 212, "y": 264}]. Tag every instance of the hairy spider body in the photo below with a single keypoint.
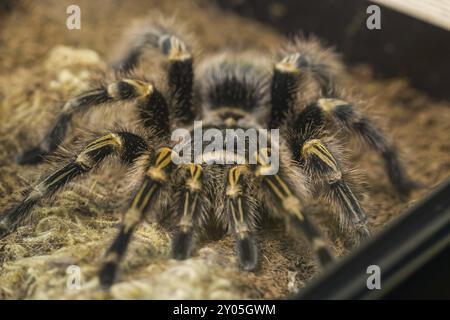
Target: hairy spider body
[{"x": 298, "y": 95}]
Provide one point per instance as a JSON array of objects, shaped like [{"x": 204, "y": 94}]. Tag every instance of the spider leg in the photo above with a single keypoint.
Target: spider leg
[
  {"x": 345, "y": 114},
  {"x": 325, "y": 171},
  {"x": 126, "y": 145},
  {"x": 156, "y": 176},
  {"x": 300, "y": 59},
  {"x": 289, "y": 203},
  {"x": 120, "y": 90},
  {"x": 183, "y": 237},
  {"x": 240, "y": 218},
  {"x": 180, "y": 66},
  {"x": 283, "y": 90}
]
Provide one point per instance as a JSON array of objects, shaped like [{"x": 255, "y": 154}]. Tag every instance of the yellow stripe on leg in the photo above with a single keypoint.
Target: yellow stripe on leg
[
  {"x": 280, "y": 188},
  {"x": 163, "y": 159},
  {"x": 329, "y": 104},
  {"x": 317, "y": 148},
  {"x": 289, "y": 64}
]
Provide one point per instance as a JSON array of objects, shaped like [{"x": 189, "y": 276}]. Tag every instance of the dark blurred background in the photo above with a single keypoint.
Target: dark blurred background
[{"x": 404, "y": 47}]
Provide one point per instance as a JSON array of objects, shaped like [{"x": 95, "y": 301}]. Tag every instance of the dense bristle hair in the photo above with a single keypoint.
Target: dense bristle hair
[
  {"x": 234, "y": 80},
  {"x": 323, "y": 63},
  {"x": 145, "y": 35}
]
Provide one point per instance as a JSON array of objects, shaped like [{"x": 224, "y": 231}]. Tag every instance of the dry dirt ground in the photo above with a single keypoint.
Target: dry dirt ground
[{"x": 43, "y": 63}]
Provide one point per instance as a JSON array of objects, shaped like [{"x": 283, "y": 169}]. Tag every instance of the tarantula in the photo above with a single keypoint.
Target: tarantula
[{"x": 299, "y": 95}]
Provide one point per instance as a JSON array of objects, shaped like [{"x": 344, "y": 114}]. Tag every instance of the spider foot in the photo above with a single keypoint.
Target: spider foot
[
  {"x": 248, "y": 253},
  {"x": 360, "y": 235},
  {"x": 405, "y": 187},
  {"x": 34, "y": 155},
  {"x": 4, "y": 229},
  {"x": 107, "y": 274},
  {"x": 182, "y": 245},
  {"x": 6, "y": 226}
]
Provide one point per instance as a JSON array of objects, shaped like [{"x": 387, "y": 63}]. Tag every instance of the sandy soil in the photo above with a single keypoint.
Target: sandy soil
[{"x": 75, "y": 227}]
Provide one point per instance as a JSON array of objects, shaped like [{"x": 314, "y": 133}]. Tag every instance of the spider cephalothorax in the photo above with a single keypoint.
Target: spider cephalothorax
[{"x": 299, "y": 95}]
